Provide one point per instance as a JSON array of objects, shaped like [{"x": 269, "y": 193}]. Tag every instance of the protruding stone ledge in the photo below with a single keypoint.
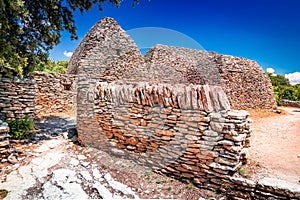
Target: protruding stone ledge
[{"x": 265, "y": 188}]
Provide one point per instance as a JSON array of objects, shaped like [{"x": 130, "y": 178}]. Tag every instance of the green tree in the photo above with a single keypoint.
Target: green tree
[
  {"x": 278, "y": 80},
  {"x": 30, "y": 28},
  {"x": 50, "y": 66},
  {"x": 283, "y": 89},
  {"x": 297, "y": 91}
]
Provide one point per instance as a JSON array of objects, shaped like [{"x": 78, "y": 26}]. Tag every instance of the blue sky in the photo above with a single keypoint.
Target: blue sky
[{"x": 267, "y": 31}]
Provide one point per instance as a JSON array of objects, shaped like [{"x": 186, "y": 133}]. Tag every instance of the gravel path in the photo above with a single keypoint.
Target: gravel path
[{"x": 275, "y": 144}]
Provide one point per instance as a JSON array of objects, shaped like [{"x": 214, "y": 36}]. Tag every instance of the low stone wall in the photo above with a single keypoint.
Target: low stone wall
[
  {"x": 42, "y": 94},
  {"x": 17, "y": 98},
  {"x": 185, "y": 131},
  {"x": 55, "y": 94},
  {"x": 266, "y": 188},
  {"x": 290, "y": 103}
]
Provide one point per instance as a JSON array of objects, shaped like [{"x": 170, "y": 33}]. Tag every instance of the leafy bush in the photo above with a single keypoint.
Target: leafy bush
[
  {"x": 19, "y": 127},
  {"x": 52, "y": 66},
  {"x": 283, "y": 89}
]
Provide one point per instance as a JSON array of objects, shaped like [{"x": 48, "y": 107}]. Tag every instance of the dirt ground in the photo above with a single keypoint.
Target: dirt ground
[{"x": 275, "y": 145}]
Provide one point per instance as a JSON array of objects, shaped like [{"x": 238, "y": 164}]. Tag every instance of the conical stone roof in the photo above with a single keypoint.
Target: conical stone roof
[{"x": 105, "y": 45}]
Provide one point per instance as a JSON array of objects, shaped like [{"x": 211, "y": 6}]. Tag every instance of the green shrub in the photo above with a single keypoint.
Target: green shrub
[
  {"x": 19, "y": 127},
  {"x": 283, "y": 89}
]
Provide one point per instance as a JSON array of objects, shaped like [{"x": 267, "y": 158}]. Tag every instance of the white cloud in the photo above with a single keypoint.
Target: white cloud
[
  {"x": 294, "y": 78},
  {"x": 270, "y": 70},
  {"x": 68, "y": 54}
]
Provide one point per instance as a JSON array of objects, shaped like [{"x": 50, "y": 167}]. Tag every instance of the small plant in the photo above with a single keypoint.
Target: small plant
[
  {"x": 181, "y": 176},
  {"x": 107, "y": 166},
  {"x": 242, "y": 172},
  {"x": 223, "y": 184},
  {"x": 158, "y": 181},
  {"x": 169, "y": 188},
  {"x": 172, "y": 179},
  {"x": 215, "y": 191},
  {"x": 19, "y": 127},
  {"x": 148, "y": 174},
  {"x": 189, "y": 185}
]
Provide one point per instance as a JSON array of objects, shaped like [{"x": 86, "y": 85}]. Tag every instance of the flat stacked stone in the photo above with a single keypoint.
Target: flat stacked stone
[
  {"x": 196, "y": 66},
  {"x": 17, "y": 97},
  {"x": 4, "y": 138},
  {"x": 183, "y": 130},
  {"x": 245, "y": 83}
]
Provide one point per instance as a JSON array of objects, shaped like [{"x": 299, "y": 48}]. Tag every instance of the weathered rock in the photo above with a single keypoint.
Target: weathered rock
[
  {"x": 103, "y": 191},
  {"x": 12, "y": 159},
  {"x": 63, "y": 185},
  {"x": 119, "y": 186},
  {"x": 280, "y": 187}
]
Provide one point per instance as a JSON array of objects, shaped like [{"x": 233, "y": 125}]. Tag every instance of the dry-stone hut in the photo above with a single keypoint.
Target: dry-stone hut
[
  {"x": 167, "y": 110},
  {"x": 105, "y": 46},
  {"x": 245, "y": 83}
]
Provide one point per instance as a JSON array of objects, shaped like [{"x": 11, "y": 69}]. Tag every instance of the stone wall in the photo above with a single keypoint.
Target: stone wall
[
  {"x": 290, "y": 103},
  {"x": 17, "y": 98},
  {"x": 265, "y": 188},
  {"x": 55, "y": 94},
  {"x": 42, "y": 94},
  {"x": 184, "y": 131}
]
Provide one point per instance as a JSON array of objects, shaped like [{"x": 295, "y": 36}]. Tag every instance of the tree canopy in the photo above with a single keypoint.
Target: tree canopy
[
  {"x": 283, "y": 89},
  {"x": 278, "y": 80},
  {"x": 30, "y": 28},
  {"x": 52, "y": 66}
]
